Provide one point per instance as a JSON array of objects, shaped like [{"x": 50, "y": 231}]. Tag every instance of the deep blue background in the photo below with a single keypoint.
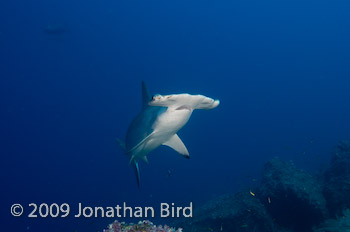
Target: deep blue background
[{"x": 281, "y": 70}]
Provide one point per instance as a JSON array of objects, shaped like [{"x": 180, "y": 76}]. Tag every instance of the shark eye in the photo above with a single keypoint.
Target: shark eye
[{"x": 156, "y": 97}]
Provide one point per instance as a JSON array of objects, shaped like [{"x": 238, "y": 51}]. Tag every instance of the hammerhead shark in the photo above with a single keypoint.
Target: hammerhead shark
[{"x": 158, "y": 123}]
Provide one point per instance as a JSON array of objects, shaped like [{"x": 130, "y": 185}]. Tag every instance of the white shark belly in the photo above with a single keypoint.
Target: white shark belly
[
  {"x": 171, "y": 121},
  {"x": 165, "y": 127}
]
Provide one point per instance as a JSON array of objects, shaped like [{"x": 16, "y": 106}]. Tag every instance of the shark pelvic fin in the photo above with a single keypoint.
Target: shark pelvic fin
[
  {"x": 145, "y": 96},
  {"x": 176, "y": 144}
]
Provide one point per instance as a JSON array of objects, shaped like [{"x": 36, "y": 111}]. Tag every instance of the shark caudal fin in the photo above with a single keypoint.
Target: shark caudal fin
[
  {"x": 135, "y": 163},
  {"x": 137, "y": 173}
]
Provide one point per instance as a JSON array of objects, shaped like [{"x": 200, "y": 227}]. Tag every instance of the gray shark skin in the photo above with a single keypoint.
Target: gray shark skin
[{"x": 159, "y": 121}]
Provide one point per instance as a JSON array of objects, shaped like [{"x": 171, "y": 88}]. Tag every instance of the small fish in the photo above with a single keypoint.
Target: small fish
[
  {"x": 244, "y": 226},
  {"x": 251, "y": 193},
  {"x": 221, "y": 227},
  {"x": 55, "y": 29},
  {"x": 269, "y": 200}
]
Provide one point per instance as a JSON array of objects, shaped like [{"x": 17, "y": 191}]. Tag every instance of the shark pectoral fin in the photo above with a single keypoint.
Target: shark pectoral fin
[
  {"x": 176, "y": 144},
  {"x": 142, "y": 142},
  {"x": 121, "y": 144}
]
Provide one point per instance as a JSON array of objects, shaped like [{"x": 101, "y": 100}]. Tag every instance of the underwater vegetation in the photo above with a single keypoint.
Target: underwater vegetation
[
  {"x": 142, "y": 226},
  {"x": 288, "y": 199}
]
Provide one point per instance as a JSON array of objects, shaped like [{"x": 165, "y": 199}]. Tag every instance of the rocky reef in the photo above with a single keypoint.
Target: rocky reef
[
  {"x": 239, "y": 212},
  {"x": 288, "y": 199},
  {"x": 340, "y": 224},
  {"x": 337, "y": 180},
  {"x": 293, "y": 197}
]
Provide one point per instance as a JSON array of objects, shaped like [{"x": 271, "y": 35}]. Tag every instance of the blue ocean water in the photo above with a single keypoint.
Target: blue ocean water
[{"x": 70, "y": 83}]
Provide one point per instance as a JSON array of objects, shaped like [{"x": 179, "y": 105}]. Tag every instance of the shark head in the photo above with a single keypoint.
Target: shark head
[
  {"x": 162, "y": 116},
  {"x": 178, "y": 100}
]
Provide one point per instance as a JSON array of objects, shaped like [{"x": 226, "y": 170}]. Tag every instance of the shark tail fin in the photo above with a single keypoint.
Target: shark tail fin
[
  {"x": 137, "y": 172},
  {"x": 145, "y": 95},
  {"x": 136, "y": 163}
]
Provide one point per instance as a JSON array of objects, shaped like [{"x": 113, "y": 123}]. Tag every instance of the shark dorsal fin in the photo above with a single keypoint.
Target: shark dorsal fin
[{"x": 145, "y": 96}]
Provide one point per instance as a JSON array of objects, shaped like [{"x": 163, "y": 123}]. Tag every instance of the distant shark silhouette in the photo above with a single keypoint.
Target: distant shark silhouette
[
  {"x": 55, "y": 29},
  {"x": 159, "y": 121}
]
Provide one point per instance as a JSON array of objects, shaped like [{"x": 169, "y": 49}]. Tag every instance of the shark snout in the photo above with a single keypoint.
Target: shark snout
[{"x": 216, "y": 103}]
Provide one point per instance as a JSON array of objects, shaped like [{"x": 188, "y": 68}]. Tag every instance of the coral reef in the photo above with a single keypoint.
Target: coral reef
[
  {"x": 337, "y": 180},
  {"x": 142, "y": 226},
  {"x": 291, "y": 196}
]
